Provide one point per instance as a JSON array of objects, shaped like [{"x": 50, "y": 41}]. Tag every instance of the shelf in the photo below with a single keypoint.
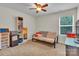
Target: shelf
[{"x": 4, "y": 40}]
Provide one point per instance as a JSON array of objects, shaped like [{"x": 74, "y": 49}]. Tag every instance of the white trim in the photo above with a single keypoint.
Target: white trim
[
  {"x": 66, "y": 25},
  {"x": 59, "y": 25},
  {"x": 73, "y": 28}
]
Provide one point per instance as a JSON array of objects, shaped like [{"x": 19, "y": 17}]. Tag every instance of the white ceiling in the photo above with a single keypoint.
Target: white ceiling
[{"x": 52, "y": 7}]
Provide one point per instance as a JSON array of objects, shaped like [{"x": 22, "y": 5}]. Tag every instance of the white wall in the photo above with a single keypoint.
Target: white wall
[
  {"x": 78, "y": 13},
  {"x": 7, "y": 19},
  {"x": 43, "y": 23},
  {"x": 51, "y": 22}
]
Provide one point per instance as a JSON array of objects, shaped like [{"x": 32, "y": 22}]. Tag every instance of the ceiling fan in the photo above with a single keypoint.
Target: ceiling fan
[{"x": 40, "y": 7}]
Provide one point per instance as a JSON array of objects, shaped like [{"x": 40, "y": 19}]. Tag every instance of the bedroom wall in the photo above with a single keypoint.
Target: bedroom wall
[
  {"x": 78, "y": 13},
  {"x": 7, "y": 19},
  {"x": 41, "y": 23},
  {"x": 51, "y": 22}
]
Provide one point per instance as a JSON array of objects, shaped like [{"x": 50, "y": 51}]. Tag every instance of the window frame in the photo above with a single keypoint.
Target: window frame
[{"x": 66, "y": 25}]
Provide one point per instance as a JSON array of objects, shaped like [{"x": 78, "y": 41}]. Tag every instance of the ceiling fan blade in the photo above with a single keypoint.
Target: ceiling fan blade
[
  {"x": 45, "y": 5},
  {"x": 36, "y": 4},
  {"x": 32, "y": 8},
  {"x": 44, "y": 10}
]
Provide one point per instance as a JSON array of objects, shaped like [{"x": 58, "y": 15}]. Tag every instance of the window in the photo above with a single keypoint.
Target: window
[{"x": 66, "y": 24}]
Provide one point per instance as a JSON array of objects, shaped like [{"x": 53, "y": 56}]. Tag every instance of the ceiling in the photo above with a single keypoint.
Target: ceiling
[{"x": 52, "y": 7}]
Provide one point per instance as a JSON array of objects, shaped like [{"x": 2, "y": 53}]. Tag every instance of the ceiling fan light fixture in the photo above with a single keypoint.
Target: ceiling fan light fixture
[{"x": 38, "y": 9}]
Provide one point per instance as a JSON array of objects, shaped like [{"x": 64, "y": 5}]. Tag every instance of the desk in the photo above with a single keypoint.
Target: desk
[{"x": 72, "y": 48}]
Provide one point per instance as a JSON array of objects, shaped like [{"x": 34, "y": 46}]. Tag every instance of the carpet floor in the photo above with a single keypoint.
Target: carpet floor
[{"x": 30, "y": 48}]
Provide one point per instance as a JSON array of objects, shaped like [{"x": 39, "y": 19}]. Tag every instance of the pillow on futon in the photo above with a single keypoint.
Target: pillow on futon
[{"x": 37, "y": 34}]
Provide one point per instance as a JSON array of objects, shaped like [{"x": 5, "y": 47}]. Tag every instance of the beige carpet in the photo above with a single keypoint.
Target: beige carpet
[{"x": 34, "y": 49}]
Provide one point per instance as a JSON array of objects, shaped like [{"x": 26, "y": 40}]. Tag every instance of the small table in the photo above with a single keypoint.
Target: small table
[{"x": 72, "y": 48}]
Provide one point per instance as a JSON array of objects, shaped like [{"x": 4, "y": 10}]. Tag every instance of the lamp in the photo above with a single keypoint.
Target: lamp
[{"x": 24, "y": 32}]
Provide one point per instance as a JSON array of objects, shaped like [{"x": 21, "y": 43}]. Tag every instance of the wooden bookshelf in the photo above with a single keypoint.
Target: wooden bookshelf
[{"x": 4, "y": 40}]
